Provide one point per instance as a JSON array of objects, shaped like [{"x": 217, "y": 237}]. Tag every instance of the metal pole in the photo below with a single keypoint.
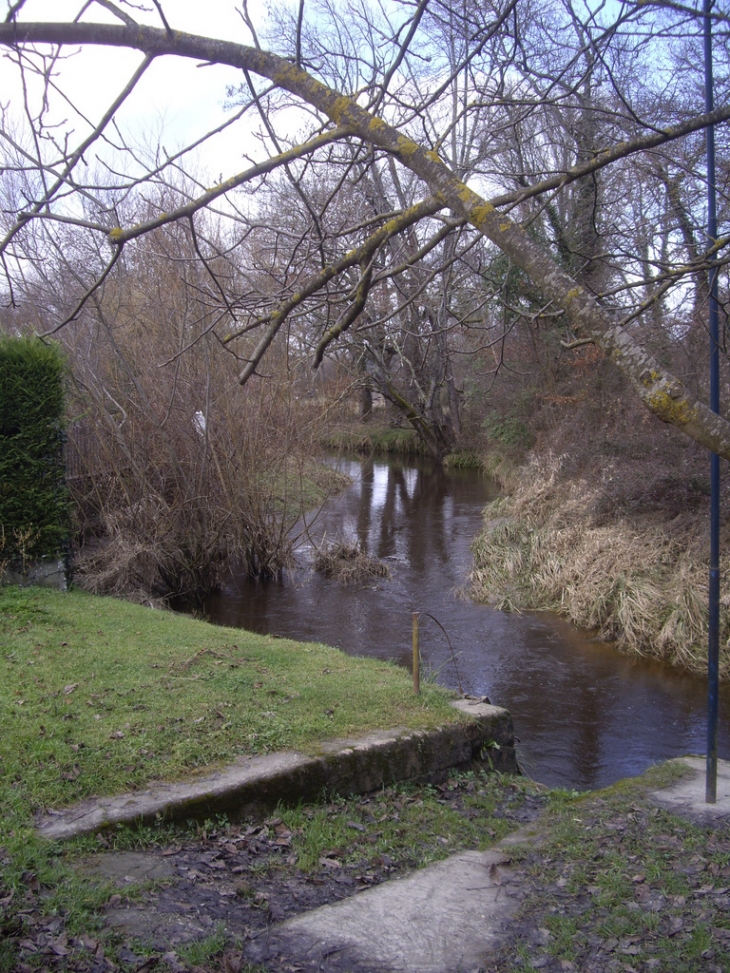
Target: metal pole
[
  {"x": 416, "y": 657},
  {"x": 713, "y": 642}
]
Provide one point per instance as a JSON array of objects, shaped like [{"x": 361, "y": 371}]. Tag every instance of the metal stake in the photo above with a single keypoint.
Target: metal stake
[{"x": 416, "y": 657}]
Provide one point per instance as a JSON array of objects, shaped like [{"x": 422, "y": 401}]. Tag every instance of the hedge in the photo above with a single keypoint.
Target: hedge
[{"x": 34, "y": 502}]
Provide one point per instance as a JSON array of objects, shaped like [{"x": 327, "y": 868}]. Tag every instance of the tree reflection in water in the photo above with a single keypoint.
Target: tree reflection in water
[{"x": 585, "y": 715}]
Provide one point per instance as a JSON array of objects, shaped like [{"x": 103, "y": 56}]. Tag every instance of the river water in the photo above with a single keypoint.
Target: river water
[{"x": 584, "y": 715}]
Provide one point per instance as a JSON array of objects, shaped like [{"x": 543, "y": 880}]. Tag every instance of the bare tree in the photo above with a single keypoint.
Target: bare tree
[{"x": 439, "y": 97}]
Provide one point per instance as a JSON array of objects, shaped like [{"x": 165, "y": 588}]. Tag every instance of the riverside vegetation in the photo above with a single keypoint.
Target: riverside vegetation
[
  {"x": 640, "y": 585},
  {"x": 604, "y": 518}
]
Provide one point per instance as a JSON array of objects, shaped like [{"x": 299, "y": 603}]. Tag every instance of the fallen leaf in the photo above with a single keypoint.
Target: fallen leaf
[
  {"x": 232, "y": 962},
  {"x": 59, "y": 946},
  {"x": 67, "y": 690}
]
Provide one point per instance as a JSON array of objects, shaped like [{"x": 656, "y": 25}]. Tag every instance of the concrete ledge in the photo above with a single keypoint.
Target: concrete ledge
[
  {"x": 45, "y": 573},
  {"x": 255, "y": 784}
]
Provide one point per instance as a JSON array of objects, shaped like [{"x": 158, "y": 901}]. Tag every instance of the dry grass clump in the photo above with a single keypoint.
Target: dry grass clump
[
  {"x": 345, "y": 561},
  {"x": 641, "y": 585}
]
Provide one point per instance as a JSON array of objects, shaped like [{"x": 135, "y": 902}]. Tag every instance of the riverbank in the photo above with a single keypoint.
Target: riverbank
[
  {"x": 100, "y": 696},
  {"x": 638, "y": 578},
  {"x": 381, "y": 440},
  {"x": 97, "y": 693}
]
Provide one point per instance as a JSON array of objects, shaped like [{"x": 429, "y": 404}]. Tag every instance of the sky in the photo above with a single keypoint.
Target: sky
[{"x": 175, "y": 101}]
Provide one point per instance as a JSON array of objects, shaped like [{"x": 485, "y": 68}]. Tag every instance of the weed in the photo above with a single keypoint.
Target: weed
[{"x": 202, "y": 950}]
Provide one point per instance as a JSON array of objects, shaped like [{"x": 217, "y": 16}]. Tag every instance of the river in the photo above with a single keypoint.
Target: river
[{"x": 584, "y": 715}]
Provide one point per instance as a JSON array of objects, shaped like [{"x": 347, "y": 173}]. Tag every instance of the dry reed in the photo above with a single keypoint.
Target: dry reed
[
  {"x": 641, "y": 585},
  {"x": 346, "y": 562}
]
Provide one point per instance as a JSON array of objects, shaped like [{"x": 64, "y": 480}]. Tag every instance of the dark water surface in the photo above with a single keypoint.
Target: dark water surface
[{"x": 585, "y": 715}]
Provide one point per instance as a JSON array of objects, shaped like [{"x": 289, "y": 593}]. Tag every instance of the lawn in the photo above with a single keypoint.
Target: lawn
[{"x": 98, "y": 696}]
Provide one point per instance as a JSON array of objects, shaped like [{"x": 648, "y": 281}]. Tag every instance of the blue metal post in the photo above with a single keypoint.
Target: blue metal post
[{"x": 713, "y": 642}]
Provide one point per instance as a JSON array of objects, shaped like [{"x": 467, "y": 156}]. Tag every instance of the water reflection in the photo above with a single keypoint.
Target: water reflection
[{"x": 585, "y": 716}]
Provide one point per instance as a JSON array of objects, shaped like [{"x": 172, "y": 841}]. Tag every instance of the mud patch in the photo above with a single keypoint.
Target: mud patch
[{"x": 236, "y": 881}]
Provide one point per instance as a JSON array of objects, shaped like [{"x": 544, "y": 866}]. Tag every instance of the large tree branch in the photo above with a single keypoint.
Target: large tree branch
[
  {"x": 660, "y": 391},
  {"x": 608, "y": 156},
  {"x": 120, "y": 236},
  {"x": 358, "y": 255}
]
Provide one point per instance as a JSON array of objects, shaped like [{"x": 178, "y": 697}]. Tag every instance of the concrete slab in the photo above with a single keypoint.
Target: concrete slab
[
  {"x": 686, "y": 798},
  {"x": 447, "y": 918},
  {"x": 127, "y": 867},
  {"x": 256, "y": 784}
]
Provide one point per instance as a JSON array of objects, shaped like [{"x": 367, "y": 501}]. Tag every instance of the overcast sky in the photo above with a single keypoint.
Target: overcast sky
[{"x": 175, "y": 97}]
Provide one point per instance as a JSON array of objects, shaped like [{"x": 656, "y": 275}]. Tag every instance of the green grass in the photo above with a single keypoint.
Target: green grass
[
  {"x": 409, "y": 822},
  {"x": 618, "y": 877},
  {"x": 98, "y": 696}
]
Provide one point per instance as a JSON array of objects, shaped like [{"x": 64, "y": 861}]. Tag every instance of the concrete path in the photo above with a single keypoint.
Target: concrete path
[
  {"x": 446, "y": 918},
  {"x": 687, "y": 797}
]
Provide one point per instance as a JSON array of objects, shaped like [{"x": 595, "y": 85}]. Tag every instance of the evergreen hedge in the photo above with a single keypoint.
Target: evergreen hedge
[{"x": 34, "y": 502}]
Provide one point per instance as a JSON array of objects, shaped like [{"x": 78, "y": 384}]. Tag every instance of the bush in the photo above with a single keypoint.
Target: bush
[
  {"x": 34, "y": 505},
  {"x": 508, "y": 431}
]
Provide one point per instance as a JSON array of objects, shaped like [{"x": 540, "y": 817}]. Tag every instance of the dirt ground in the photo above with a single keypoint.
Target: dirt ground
[{"x": 229, "y": 886}]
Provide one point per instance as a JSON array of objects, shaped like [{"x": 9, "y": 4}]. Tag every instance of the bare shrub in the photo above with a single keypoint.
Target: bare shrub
[
  {"x": 345, "y": 561},
  {"x": 177, "y": 472}
]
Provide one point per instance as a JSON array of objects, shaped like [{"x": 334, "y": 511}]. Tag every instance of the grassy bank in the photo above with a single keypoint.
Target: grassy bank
[
  {"x": 618, "y": 884},
  {"x": 385, "y": 441},
  {"x": 374, "y": 440},
  {"x": 641, "y": 582},
  {"x": 98, "y": 696}
]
